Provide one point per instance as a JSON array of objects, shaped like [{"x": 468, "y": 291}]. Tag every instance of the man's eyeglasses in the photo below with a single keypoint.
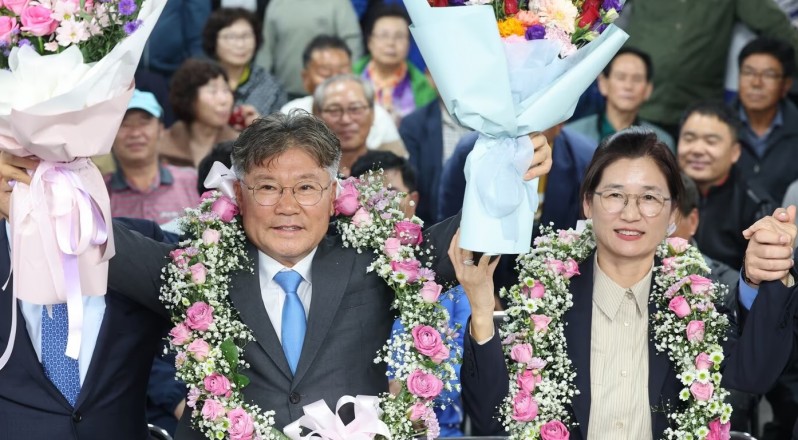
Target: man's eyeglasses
[
  {"x": 649, "y": 204},
  {"x": 336, "y": 112},
  {"x": 768, "y": 76},
  {"x": 269, "y": 194}
]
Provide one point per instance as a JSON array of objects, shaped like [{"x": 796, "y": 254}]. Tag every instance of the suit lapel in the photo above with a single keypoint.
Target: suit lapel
[
  {"x": 246, "y": 296},
  {"x": 658, "y": 363},
  {"x": 577, "y": 333},
  {"x": 330, "y": 275}
]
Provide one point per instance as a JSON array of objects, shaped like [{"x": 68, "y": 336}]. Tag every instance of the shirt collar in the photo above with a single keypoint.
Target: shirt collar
[
  {"x": 778, "y": 120},
  {"x": 119, "y": 182},
  {"x": 607, "y": 294},
  {"x": 269, "y": 266}
]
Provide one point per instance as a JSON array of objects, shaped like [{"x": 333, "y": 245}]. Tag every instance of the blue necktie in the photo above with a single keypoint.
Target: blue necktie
[
  {"x": 62, "y": 370},
  {"x": 293, "y": 328}
]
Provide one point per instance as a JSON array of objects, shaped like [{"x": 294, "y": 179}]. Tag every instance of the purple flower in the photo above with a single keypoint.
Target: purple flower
[
  {"x": 456, "y": 2},
  {"x": 611, "y": 4},
  {"x": 128, "y": 7},
  {"x": 599, "y": 27},
  {"x": 23, "y": 42},
  {"x": 535, "y": 32},
  {"x": 131, "y": 26}
]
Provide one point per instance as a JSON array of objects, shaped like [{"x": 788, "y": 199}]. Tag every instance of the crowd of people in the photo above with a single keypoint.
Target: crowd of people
[{"x": 248, "y": 82}]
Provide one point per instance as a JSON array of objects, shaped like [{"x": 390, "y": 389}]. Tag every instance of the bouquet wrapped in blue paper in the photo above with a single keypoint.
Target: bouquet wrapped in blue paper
[{"x": 507, "y": 68}]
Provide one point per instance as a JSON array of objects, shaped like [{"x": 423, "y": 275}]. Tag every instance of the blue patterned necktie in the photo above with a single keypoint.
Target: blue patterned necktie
[
  {"x": 294, "y": 325},
  {"x": 62, "y": 370}
]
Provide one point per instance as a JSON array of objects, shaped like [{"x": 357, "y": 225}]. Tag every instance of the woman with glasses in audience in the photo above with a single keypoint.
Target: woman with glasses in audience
[
  {"x": 400, "y": 87},
  {"x": 232, "y": 37},
  {"x": 203, "y": 104},
  {"x": 631, "y": 192}
]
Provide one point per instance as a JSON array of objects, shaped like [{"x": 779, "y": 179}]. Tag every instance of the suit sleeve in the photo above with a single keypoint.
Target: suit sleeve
[
  {"x": 438, "y": 238},
  {"x": 763, "y": 350},
  {"x": 485, "y": 382},
  {"x": 135, "y": 270}
]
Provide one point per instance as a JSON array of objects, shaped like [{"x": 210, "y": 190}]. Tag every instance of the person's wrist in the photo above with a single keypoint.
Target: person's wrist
[
  {"x": 753, "y": 283},
  {"x": 481, "y": 326}
]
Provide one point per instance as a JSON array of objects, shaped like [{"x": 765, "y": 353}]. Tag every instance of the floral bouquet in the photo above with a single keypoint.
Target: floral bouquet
[
  {"x": 507, "y": 68},
  {"x": 68, "y": 77}
]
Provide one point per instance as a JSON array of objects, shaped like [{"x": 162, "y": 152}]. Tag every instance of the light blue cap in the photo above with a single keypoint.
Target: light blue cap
[{"x": 145, "y": 101}]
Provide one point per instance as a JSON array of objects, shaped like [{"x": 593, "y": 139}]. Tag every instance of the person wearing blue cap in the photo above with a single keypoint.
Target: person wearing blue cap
[{"x": 142, "y": 187}]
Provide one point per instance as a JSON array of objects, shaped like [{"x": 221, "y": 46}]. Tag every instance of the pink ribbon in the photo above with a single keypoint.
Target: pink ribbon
[
  {"x": 325, "y": 425},
  {"x": 222, "y": 178}
]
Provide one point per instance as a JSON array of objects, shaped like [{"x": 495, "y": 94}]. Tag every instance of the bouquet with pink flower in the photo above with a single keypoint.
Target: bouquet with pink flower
[
  {"x": 66, "y": 73},
  {"x": 524, "y": 75}
]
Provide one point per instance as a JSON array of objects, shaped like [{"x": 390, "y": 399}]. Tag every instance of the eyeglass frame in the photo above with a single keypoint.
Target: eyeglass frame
[
  {"x": 248, "y": 37},
  {"x": 769, "y": 76},
  {"x": 332, "y": 110},
  {"x": 282, "y": 192},
  {"x": 626, "y": 197}
]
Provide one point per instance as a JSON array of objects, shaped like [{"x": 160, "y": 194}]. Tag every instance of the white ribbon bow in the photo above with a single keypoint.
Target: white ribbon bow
[
  {"x": 323, "y": 424},
  {"x": 222, "y": 178}
]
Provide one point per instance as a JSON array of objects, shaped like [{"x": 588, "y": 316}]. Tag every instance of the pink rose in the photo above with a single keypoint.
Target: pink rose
[
  {"x": 180, "y": 334},
  {"x": 8, "y": 27},
  {"x": 391, "y": 246},
  {"x": 207, "y": 194},
  {"x": 536, "y": 291},
  {"x": 677, "y": 244},
  {"x": 555, "y": 266},
  {"x": 212, "y": 410},
  {"x": 679, "y": 306},
  {"x": 700, "y": 285},
  {"x": 241, "y": 425},
  {"x": 441, "y": 355},
  {"x": 536, "y": 364},
  {"x": 702, "y": 362},
  {"x": 37, "y": 21},
  {"x": 408, "y": 232},
  {"x": 527, "y": 380},
  {"x": 198, "y": 273},
  {"x": 361, "y": 218},
  {"x": 417, "y": 411},
  {"x": 347, "y": 201},
  {"x": 211, "y": 236},
  {"x": 541, "y": 322},
  {"x": 695, "y": 331},
  {"x": 178, "y": 257},
  {"x": 192, "y": 397},
  {"x": 199, "y": 349},
  {"x": 719, "y": 431},
  {"x": 669, "y": 265},
  {"x": 566, "y": 236},
  {"x": 424, "y": 385},
  {"x": 525, "y": 408},
  {"x": 408, "y": 267},
  {"x": 199, "y": 316},
  {"x": 225, "y": 208},
  {"x": 16, "y": 6},
  {"x": 426, "y": 339},
  {"x": 702, "y": 391},
  {"x": 431, "y": 291},
  {"x": 521, "y": 353},
  {"x": 570, "y": 268},
  {"x": 217, "y": 384},
  {"x": 554, "y": 430}
]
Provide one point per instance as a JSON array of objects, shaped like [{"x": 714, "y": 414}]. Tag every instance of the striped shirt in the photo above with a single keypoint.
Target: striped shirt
[
  {"x": 174, "y": 189},
  {"x": 619, "y": 407}
]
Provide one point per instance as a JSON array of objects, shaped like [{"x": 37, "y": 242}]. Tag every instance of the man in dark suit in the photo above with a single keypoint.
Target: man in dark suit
[{"x": 113, "y": 366}]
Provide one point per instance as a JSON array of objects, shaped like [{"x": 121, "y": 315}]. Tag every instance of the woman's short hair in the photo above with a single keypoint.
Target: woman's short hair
[
  {"x": 184, "y": 87},
  {"x": 633, "y": 143},
  {"x": 222, "y": 18}
]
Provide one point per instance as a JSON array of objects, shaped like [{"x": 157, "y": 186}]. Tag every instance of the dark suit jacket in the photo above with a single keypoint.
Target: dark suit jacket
[
  {"x": 348, "y": 321},
  {"x": 422, "y": 134},
  {"x": 748, "y": 365},
  {"x": 112, "y": 398}
]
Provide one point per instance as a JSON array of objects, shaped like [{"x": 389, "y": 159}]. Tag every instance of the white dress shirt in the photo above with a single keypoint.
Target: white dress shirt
[
  {"x": 93, "y": 312},
  {"x": 274, "y": 296}
]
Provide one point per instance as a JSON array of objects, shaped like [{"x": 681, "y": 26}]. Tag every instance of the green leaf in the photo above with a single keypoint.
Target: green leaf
[
  {"x": 230, "y": 353},
  {"x": 241, "y": 381}
]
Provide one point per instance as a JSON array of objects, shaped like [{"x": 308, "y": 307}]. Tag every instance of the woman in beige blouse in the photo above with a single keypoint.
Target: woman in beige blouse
[
  {"x": 203, "y": 104},
  {"x": 631, "y": 191}
]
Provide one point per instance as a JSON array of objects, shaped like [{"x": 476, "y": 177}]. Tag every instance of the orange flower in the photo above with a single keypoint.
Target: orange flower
[{"x": 511, "y": 26}]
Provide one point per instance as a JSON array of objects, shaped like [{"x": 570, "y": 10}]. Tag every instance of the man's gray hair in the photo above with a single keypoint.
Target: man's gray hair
[
  {"x": 321, "y": 90},
  {"x": 273, "y": 135}
]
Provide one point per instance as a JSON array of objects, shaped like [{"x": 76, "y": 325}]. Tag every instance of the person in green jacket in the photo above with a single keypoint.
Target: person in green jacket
[{"x": 399, "y": 86}]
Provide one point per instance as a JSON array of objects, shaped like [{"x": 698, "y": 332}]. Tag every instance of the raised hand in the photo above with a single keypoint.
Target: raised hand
[
  {"x": 541, "y": 163},
  {"x": 477, "y": 281}
]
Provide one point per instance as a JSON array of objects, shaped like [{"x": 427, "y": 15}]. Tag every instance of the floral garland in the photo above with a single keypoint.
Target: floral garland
[
  {"x": 687, "y": 327},
  {"x": 209, "y": 336}
]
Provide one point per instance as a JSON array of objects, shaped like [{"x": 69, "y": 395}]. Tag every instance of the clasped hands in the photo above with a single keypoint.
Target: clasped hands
[{"x": 771, "y": 243}]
